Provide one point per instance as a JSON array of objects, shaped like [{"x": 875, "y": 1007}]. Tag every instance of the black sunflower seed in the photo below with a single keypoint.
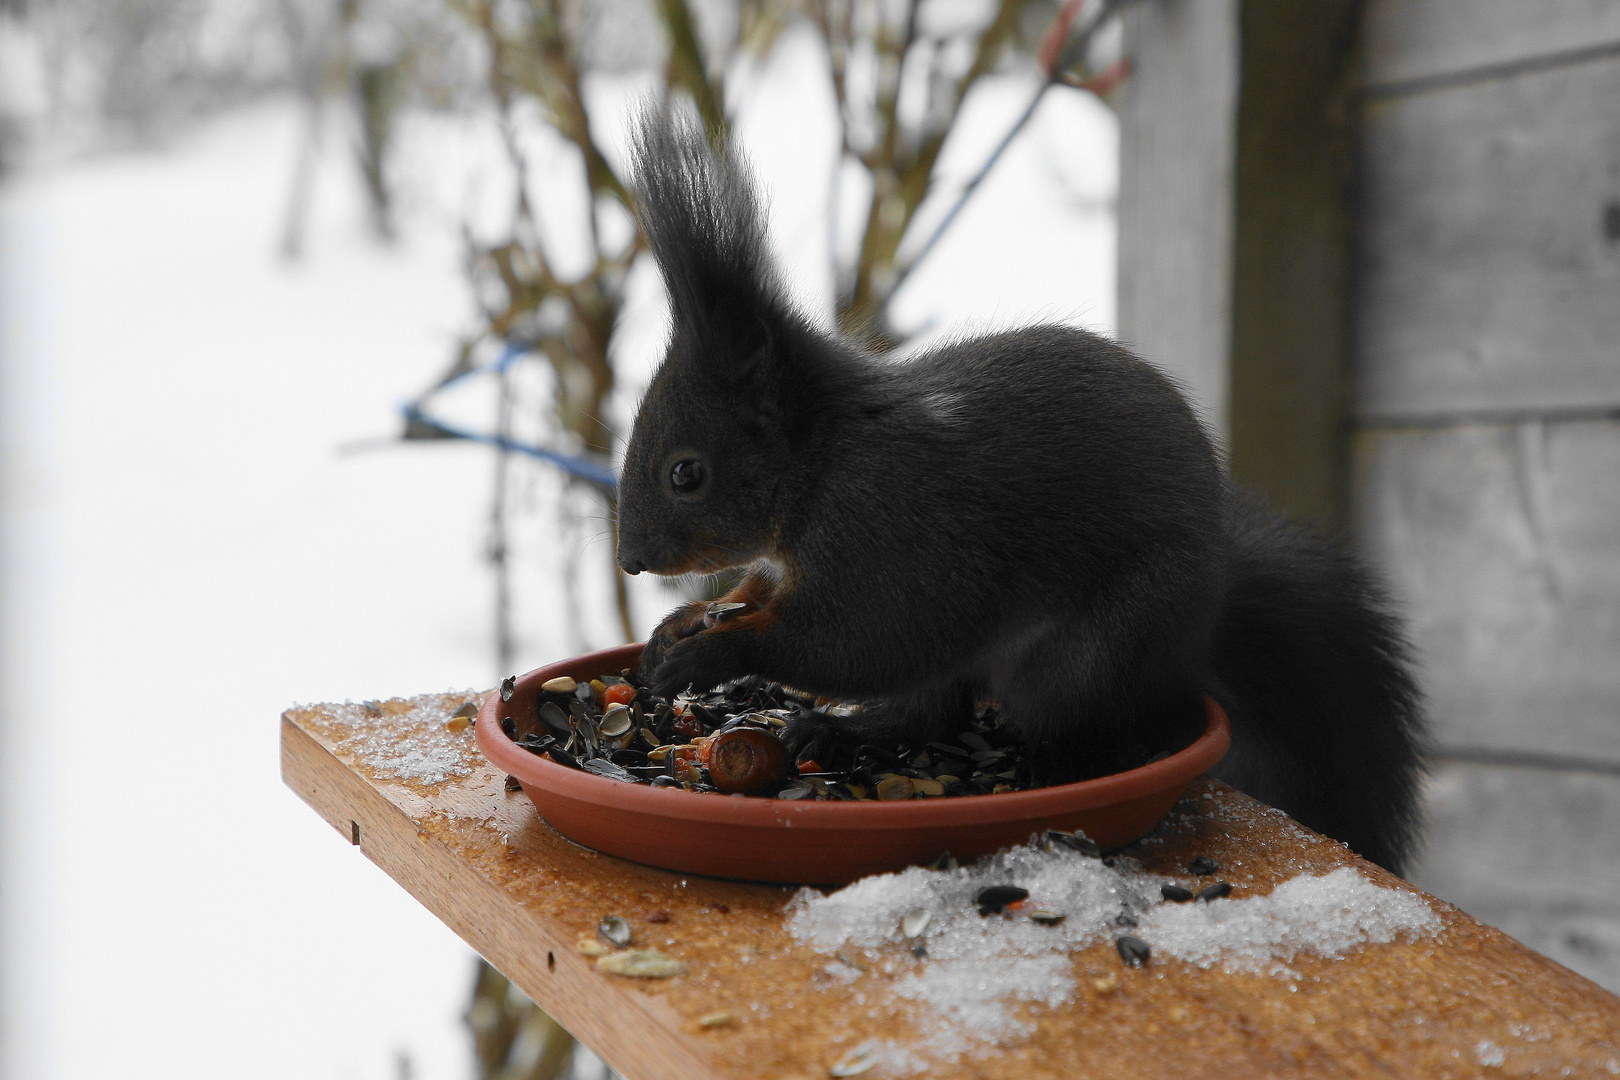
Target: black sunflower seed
[
  {"x": 1176, "y": 893},
  {"x": 996, "y": 897},
  {"x": 513, "y": 783},
  {"x": 604, "y": 767},
  {"x": 563, "y": 757},
  {"x": 1202, "y": 866},
  {"x": 508, "y": 684},
  {"x": 1215, "y": 891},
  {"x": 554, "y": 718},
  {"x": 1134, "y": 951},
  {"x": 1075, "y": 841}
]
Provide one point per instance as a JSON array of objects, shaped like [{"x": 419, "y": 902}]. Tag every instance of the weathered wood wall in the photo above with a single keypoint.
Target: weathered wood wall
[
  {"x": 1479, "y": 410},
  {"x": 1486, "y": 441}
]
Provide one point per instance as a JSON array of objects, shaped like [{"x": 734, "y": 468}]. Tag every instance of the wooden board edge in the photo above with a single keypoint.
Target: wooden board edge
[{"x": 628, "y": 1024}]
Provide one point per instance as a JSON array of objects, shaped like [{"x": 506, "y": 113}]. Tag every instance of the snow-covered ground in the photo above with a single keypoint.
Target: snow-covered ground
[{"x": 185, "y": 553}]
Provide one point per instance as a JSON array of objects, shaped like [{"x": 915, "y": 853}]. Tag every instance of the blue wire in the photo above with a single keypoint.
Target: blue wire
[{"x": 574, "y": 465}]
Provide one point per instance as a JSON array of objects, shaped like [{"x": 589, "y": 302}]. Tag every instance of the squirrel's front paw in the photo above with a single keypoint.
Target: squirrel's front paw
[
  {"x": 678, "y": 625},
  {"x": 700, "y": 661}
]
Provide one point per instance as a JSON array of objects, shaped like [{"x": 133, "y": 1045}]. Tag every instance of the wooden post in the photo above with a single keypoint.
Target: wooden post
[
  {"x": 1178, "y": 112},
  {"x": 1235, "y": 230},
  {"x": 1291, "y": 255}
]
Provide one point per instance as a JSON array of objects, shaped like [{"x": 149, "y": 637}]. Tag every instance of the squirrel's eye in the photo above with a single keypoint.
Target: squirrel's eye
[{"x": 686, "y": 476}]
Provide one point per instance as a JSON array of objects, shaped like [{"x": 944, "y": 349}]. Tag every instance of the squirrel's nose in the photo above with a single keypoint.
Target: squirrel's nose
[{"x": 630, "y": 565}]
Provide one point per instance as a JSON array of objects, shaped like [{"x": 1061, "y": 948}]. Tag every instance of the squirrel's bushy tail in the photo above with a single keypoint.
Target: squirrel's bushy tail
[{"x": 1312, "y": 667}]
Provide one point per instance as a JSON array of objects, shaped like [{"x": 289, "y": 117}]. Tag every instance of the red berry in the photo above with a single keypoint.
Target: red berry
[{"x": 619, "y": 694}]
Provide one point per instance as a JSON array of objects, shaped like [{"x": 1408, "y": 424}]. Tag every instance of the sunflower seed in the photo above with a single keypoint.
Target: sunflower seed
[
  {"x": 716, "y": 1020},
  {"x": 562, "y": 684},
  {"x": 996, "y": 897},
  {"x": 795, "y": 791},
  {"x": 616, "y": 721},
  {"x": 554, "y": 718},
  {"x": 1134, "y": 951},
  {"x": 858, "y": 1060},
  {"x": 895, "y": 788},
  {"x": 604, "y": 767},
  {"x": 508, "y": 684},
  {"x": 563, "y": 757},
  {"x": 1055, "y": 839},
  {"x": 722, "y": 608},
  {"x": 1175, "y": 893},
  {"x": 591, "y": 947},
  {"x": 1202, "y": 866},
  {"x": 513, "y": 784},
  {"x": 615, "y": 931},
  {"x": 915, "y": 922},
  {"x": 1215, "y": 891},
  {"x": 1047, "y": 918},
  {"x": 641, "y": 964}
]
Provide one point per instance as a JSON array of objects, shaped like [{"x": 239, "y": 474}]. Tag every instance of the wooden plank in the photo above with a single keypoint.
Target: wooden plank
[
  {"x": 483, "y": 861},
  {"x": 1178, "y": 115},
  {"x": 1291, "y": 255},
  {"x": 1504, "y": 543},
  {"x": 1534, "y": 852},
  {"x": 1405, "y": 40},
  {"x": 1490, "y": 248}
]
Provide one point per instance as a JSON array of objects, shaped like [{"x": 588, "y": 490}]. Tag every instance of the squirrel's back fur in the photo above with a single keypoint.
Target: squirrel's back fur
[{"x": 1036, "y": 517}]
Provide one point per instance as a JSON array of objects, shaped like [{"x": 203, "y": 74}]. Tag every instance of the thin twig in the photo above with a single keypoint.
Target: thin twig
[{"x": 1067, "y": 57}]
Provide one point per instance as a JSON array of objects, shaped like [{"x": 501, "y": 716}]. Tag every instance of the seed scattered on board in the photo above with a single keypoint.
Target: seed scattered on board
[
  {"x": 1046, "y": 918},
  {"x": 1215, "y": 891},
  {"x": 1175, "y": 893},
  {"x": 592, "y": 947},
  {"x": 615, "y": 931},
  {"x": 915, "y": 922},
  {"x": 457, "y": 724},
  {"x": 1134, "y": 951},
  {"x": 513, "y": 784},
  {"x": 718, "y": 1019},
  {"x": 508, "y": 684},
  {"x": 995, "y": 898},
  {"x": 1202, "y": 866},
  {"x": 858, "y": 1060},
  {"x": 641, "y": 964}
]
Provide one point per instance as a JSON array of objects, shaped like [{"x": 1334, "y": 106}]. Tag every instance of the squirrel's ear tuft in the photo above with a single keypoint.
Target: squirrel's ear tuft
[{"x": 700, "y": 212}]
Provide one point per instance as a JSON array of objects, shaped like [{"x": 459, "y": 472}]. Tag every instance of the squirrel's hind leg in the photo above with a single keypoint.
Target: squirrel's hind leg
[{"x": 1085, "y": 709}]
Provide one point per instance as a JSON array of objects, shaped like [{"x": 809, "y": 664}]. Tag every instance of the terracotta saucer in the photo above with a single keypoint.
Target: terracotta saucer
[{"x": 762, "y": 839}]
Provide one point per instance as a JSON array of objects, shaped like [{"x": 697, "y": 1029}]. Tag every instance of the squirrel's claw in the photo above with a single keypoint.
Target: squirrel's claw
[{"x": 677, "y": 626}]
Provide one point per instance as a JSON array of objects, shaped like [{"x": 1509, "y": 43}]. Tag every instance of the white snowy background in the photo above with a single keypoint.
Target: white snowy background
[{"x": 184, "y": 552}]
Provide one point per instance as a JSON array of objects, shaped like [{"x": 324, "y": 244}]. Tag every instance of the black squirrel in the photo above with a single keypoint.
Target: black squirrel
[{"x": 1035, "y": 517}]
